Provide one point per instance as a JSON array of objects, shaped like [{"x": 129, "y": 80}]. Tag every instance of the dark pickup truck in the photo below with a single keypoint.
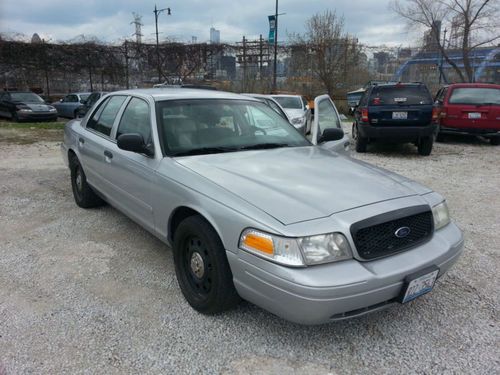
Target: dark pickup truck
[{"x": 396, "y": 112}]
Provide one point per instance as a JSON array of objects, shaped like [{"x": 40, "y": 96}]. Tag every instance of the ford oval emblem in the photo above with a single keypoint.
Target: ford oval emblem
[{"x": 402, "y": 232}]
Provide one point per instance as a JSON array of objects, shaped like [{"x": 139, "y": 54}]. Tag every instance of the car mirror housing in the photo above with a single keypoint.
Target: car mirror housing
[
  {"x": 331, "y": 134},
  {"x": 133, "y": 142}
]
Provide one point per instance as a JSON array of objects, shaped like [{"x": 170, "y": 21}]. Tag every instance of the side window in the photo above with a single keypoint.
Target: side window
[
  {"x": 136, "y": 119},
  {"x": 102, "y": 120},
  {"x": 327, "y": 116},
  {"x": 72, "y": 98},
  {"x": 363, "y": 101}
]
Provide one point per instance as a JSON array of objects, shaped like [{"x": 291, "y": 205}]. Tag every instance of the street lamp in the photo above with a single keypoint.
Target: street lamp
[{"x": 157, "y": 12}]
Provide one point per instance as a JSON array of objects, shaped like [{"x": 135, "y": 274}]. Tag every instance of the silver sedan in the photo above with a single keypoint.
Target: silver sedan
[{"x": 254, "y": 210}]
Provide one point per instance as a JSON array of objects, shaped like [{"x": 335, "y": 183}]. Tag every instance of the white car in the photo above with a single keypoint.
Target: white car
[{"x": 297, "y": 109}]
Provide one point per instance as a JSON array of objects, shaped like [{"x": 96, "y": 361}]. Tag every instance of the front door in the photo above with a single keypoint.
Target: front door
[{"x": 326, "y": 116}]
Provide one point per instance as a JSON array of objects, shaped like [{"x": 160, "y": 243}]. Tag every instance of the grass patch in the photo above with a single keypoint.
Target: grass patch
[{"x": 32, "y": 125}]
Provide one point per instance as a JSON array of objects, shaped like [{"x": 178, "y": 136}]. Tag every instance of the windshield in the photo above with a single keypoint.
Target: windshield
[
  {"x": 475, "y": 95},
  {"x": 25, "y": 97},
  {"x": 194, "y": 127},
  {"x": 290, "y": 102},
  {"x": 84, "y": 96},
  {"x": 400, "y": 94}
]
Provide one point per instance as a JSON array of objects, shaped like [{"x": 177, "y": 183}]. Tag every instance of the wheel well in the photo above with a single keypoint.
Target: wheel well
[
  {"x": 177, "y": 217},
  {"x": 71, "y": 156}
]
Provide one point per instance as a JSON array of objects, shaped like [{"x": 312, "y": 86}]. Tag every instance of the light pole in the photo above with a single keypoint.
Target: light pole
[
  {"x": 275, "y": 46},
  {"x": 157, "y": 12}
]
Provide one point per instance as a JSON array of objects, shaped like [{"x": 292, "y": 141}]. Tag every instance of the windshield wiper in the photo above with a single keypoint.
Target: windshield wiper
[
  {"x": 262, "y": 146},
  {"x": 205, "y": 150}
]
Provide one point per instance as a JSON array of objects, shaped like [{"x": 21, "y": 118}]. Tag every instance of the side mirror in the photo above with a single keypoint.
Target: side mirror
[
  {"x": 133, "y": 142},
  {"x": 61, "y": 100},
  {"x": 331, "y": 134},
  {"x": 83, "y": 101}
]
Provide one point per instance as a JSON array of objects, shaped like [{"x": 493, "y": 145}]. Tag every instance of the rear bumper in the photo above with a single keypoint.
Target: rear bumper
[
  {"x": 354, "y": 288},
  {"x": 472, "y": 131},
  {"x": 400, "y": 133}
]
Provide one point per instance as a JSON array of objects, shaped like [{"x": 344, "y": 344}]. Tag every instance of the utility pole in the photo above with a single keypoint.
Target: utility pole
[
  {"x": 157, "y": 12},
  {"x": 441, "y": 58},
  {"x": 275, "y": 46}
]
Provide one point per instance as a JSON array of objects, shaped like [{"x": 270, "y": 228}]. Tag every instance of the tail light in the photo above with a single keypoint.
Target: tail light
[
  {"x": 443, "y": 113},
  {"x": 435, "y": 114},
  {"x": 364, "y": 115}
]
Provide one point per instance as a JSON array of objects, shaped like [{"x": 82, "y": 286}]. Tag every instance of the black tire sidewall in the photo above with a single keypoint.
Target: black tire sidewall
[
  {"x": 222, "y": 295},
  {"x": 425, "y": 146}
]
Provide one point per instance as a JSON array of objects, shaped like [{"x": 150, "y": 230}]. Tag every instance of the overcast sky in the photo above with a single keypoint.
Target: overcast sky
[{"x": 370, "y": 20}]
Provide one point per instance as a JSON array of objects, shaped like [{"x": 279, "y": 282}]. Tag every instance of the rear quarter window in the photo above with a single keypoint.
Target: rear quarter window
[{"x": 391, "y": 95}]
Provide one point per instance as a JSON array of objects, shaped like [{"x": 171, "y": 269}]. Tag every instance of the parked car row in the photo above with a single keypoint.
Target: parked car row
[{"x": 406, "y": 112}]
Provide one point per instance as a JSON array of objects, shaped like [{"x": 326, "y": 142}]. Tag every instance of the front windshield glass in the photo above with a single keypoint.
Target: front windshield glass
[
  {"x": 195, "y": 127},
  {"x": 25, "y": 97},
  {"x": 291, "y": 102}
]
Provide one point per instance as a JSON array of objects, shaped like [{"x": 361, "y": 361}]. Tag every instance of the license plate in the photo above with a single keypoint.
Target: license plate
[
  {"x": 419, "y": 284},
  {"x": 399, "y": 115},
  {"x": 474, "y": 115}
]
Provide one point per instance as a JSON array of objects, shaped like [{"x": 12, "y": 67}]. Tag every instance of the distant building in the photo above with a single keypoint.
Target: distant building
[{"x": 214, "y": 36}]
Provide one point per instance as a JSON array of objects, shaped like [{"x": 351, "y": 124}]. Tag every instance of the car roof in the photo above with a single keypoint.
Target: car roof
[
  {"x": 464, "y": 84},
  {"x": 286, "y": 96},
  {"x": 171, "y": 93}
]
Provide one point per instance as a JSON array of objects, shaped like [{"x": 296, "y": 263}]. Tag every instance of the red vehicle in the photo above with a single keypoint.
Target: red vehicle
[{"x": 469, "y": 108}]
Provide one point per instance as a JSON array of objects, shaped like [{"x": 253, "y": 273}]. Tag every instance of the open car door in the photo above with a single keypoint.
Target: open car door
[{"x": 326, "y": 116}]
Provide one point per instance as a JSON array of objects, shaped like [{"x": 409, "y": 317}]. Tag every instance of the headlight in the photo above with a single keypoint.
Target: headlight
[
  {"x": 25, "y": 110},
  {"x": 441, "y": 215},
  {"x": 296, "y": 252},
  {"x": 298, "y": 121},
  {"x": 52, "y": 109}
]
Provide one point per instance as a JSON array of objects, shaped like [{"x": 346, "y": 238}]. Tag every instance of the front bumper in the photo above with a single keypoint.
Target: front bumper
[
  {"x": 37, "y": 116},
  {"x": 397, "y": 133},
  {"x": 325, "y": 293}
]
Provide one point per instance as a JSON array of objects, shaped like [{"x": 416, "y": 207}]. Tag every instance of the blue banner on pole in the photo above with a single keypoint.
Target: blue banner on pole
[{"x": 272, "y": 29}]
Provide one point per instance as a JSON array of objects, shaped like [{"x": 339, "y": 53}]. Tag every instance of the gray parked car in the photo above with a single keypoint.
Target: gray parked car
[
  {"x": 254, "y": 210},
  {"x": 70, "y": 104}
]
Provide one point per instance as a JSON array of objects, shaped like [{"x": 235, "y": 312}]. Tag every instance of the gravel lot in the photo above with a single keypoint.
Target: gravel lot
[{"x": 89, "y": 291}]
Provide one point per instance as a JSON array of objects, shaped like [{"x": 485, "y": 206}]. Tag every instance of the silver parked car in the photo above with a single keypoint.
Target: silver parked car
[
  {"x": 297, "y": 109},
  {"x": 70, "y": 104},
  {"x": 254, "y": 210}
]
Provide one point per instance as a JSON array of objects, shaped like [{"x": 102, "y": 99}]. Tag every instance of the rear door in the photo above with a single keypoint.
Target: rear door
[
  {"x": 400, "y": 105},
  {"x": 473, "y": 108},
  {"x": 94, "y": 146},
  {"x": 327, "y": 116}
]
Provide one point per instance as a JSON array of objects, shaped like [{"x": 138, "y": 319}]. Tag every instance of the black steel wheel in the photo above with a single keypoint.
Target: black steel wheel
[{"x": 202, "y": 268}]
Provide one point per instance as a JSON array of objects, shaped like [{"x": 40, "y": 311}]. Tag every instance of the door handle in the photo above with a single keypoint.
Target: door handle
[{"x": 108, "y": 154}]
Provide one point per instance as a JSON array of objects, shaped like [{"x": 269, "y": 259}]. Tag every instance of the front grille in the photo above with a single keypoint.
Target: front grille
[{"x": 376, "y": 237}]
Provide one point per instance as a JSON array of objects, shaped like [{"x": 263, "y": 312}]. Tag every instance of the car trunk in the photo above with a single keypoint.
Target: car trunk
[{"x": 465, "y": 116}]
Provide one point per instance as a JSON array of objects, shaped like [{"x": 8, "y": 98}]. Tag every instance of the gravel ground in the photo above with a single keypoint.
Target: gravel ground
[{"x": 89, "y": 291}]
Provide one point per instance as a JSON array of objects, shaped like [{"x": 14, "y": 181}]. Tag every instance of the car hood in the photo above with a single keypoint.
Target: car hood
[
  {"x": 300, "y": 183},
  {"x": 294, "y": 113}
]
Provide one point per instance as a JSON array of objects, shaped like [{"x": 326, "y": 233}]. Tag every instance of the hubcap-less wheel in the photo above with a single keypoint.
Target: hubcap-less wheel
[{"x": 199, "y": 266}]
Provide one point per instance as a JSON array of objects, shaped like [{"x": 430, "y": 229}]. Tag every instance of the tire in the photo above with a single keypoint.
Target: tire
[
  {"x": 425, "y": 146},
  {"x": 75, "y": 114},
  {"x": 15, "y": 117},
  {"x": 360, "y": 142},
  {"x": 495, "y": 141},
  {"x": 84, "y": 196},
  {"x": 202, "y": 268}
]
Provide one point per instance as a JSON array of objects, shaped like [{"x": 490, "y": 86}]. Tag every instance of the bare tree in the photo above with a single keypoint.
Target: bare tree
[
  {"x": 477, "y": 21},
  {"x": 325, "y": 50}
]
